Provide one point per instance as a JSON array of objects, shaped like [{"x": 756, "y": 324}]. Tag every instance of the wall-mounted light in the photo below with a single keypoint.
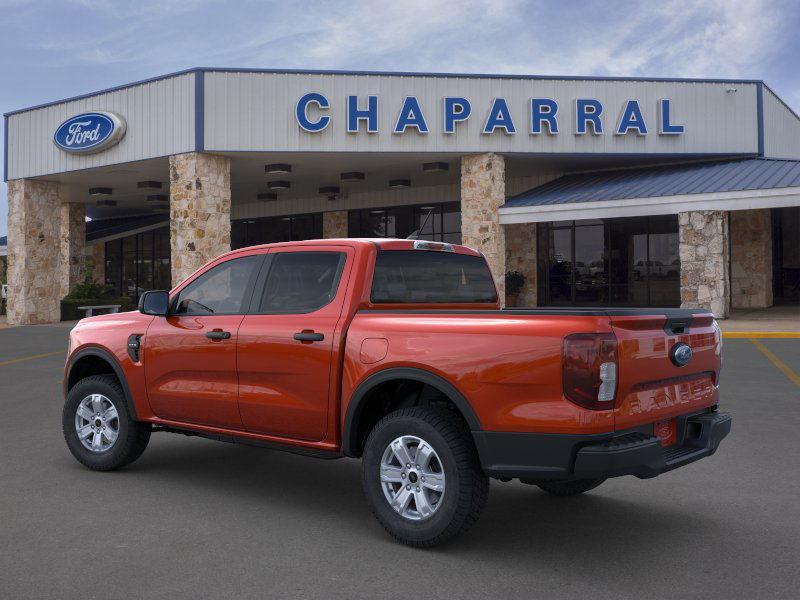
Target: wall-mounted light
[
  {"x": 329, "y": 189},
  {"x": 279, "y": 185},
  {"x": 399, "y": 183},
  {"x": 352, "y": 176},
  {"x": 100, "y": 191},
  {"x": 106, "y": 203},
  {"x": 157, "y": 198},
  {"x": 267, "y": 196},
  {"x": 435, "y": 167},
  {"x": 149, "y": 185},
  {"x": 278, "y": 168}
]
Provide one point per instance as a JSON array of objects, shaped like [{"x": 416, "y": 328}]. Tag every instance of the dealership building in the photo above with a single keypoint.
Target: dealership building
[{"x": 579, "y": 191}]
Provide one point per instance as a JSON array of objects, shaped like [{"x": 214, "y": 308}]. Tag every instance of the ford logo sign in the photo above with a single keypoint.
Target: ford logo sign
[
  {"x": 680, "y": 355},
  {"x": 90, "y": 132}
]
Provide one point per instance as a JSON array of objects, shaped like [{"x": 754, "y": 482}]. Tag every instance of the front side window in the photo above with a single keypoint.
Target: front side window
[
  {"x": 223, "y": 289},
  {"x": 301, "y": 282},
  {"x": 420, "y": 276}
]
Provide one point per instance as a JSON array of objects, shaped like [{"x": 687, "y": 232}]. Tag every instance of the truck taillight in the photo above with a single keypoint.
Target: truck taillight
[{"x": 590, "y": 370}]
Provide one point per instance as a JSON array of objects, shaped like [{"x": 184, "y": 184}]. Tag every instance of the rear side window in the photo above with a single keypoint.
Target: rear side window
[
  {"x": 419, "y": 276},
  {"x": 301, "y": 282}
]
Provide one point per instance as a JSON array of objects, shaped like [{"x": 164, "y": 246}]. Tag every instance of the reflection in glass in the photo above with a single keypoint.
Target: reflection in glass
[{"x": 616, "y": 262}]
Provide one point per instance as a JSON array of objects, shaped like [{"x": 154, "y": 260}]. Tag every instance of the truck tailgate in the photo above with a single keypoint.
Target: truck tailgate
[{"x": 651, "y": 386}]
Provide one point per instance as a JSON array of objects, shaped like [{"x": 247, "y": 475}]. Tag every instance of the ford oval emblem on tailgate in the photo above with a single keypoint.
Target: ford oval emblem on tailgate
[{"x": 680, "y": 355}]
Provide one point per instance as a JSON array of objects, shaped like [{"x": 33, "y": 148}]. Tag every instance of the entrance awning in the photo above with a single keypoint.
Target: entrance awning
[{"x": 722, "y": 185}]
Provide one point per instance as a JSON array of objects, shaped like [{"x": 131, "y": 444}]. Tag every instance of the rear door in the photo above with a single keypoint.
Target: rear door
[
  {"x": 653, "y": 385},
  {"x": 190, "y": 355},
  {"x": 286, "y": 343}
]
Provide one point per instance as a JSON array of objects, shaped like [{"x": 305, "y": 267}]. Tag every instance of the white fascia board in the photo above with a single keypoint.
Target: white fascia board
[{"x": 656, "y": 205}]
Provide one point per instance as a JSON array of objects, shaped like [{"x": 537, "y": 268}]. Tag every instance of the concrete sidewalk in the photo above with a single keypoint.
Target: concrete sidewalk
[{"x": 777, "y": 319}]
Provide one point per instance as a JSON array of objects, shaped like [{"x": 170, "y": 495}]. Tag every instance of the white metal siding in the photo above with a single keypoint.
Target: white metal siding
[
  {"x": 160, "y": 122},
  {"x": 245, "y": 208},
  {"x": 781, "y": 128},
  {"x": 255, "y": 111}
]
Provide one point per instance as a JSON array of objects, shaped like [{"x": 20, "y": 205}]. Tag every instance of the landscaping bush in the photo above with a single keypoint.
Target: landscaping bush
[{"x": 89, "y": 293}]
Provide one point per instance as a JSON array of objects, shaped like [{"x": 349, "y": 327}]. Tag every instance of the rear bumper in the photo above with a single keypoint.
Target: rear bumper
[{"x": 636, "y": 452}]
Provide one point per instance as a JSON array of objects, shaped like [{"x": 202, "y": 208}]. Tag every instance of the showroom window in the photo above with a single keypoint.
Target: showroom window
[
  {"x": 440, "y": 222},
  {"x": 613, "y": 262},
  {"x": 269, "y": 230}
]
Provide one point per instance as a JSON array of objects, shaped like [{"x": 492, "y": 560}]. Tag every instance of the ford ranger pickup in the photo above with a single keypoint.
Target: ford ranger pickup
[{"x": 397, "y": 352}]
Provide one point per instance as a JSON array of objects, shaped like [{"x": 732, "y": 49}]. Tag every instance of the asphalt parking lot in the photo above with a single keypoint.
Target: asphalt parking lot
[{"x": 200, "y": 519}]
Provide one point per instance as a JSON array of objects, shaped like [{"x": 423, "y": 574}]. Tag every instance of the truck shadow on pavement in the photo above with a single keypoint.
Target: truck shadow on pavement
[{"x": 520, "y": 523}]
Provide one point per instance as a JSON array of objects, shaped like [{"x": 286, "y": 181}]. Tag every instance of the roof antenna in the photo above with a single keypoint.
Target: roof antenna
[{"x": 415, "y": 234}]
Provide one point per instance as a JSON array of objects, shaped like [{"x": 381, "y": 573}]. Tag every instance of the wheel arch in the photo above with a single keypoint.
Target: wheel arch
[
  {"x": 360, "y": 399},
  {"x": 86, "y": 362}
]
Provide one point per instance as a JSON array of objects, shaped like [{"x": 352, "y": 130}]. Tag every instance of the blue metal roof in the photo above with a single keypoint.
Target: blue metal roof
[{"x": 671, "y": 180}]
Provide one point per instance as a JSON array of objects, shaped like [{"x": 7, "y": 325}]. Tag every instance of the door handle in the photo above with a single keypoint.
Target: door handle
[
  {"x": 308, "y": 336},
  {"x": 218, "y": 334}
]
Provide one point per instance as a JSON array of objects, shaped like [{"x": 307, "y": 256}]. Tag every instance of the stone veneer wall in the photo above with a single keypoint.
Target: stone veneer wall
[
  {"x": 483, "y": 191},
  {"x": 751, "y": 258},
  {"x": 200, "y": 211},
  {"x": 96, "y": 259},
  {"x": 72, "y": 240},
  {"x": 703, "y": 247},
  {"x": 34, "y": 241},
  {"x": 521, "y": 256},
  {"x": 334, "y": 224}
]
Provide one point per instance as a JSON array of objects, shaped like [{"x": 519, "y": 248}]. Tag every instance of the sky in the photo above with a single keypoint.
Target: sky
[{"x": 56, "y": 49}]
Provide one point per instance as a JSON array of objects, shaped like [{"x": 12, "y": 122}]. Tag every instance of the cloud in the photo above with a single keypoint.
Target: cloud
[{"x": 46, "y": 52}]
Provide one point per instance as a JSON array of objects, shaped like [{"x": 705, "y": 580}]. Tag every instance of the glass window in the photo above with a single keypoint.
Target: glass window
[
  {"x": 615, "y": 262},
  {"x": 301, "y": 282},
  {"x": 270, "y": 230},
  {"x": 418, "y": 276},
  {"x": 220, "y": 290},
  {"x": 439, "y": 222}
]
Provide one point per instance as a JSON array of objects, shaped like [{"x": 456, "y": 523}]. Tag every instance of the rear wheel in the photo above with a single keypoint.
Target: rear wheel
[
  {"x": 422, "y": 476},
  {"x": 572, "y": 487},
  {"x": 97, "y": 426}
]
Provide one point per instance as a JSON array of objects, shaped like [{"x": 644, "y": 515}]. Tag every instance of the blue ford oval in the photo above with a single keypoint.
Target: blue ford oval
[{"x": 89, "y": 132}]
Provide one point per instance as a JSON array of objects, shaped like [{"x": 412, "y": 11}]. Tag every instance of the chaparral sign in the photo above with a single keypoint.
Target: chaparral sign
[
  {"x": 588, "y": 116},
  {"x": 90, "y": 132}
]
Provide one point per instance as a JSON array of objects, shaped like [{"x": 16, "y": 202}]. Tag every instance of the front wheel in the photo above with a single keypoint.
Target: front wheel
[
  {"x": 422, "y": 476},
  {"x": 97, "y": 426}
]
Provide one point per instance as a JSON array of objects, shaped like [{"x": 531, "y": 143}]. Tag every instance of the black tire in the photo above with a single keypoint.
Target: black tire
[
  {"x": 572, "y": 487},
  {"x": 466, "y": 486},
  {"x": 132, "y": 437}
]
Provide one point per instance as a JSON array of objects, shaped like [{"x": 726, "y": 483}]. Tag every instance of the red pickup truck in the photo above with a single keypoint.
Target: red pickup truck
[{"x": 397, "y": 352}]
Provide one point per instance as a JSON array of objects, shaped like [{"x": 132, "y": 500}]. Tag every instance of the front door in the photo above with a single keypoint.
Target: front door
[
  {"x": 286, "y": 342},
  {"x": 190, "y": 355}
]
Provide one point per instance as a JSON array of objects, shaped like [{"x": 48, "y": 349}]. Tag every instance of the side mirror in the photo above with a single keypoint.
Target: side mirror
[{"x": 154, "y": 303}]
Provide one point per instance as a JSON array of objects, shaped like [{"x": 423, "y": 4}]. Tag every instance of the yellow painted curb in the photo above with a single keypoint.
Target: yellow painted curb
[{"x": 761, "y": 334}]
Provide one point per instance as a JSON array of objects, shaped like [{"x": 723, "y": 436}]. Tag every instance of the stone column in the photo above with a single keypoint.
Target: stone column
[
  {"x": 200, "y": 211},
  {"x": 72, "y": 246},
  {"x": 334, "y": 224},
  {"x": 703, "y": 248},
  {"x": 483, "y": 191},
  {"x": 521, "y": 256},
  {"x": 96, "y": 257},
  {"x": 34, "y": 261},
  {"x": 751, "y": 258}
]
